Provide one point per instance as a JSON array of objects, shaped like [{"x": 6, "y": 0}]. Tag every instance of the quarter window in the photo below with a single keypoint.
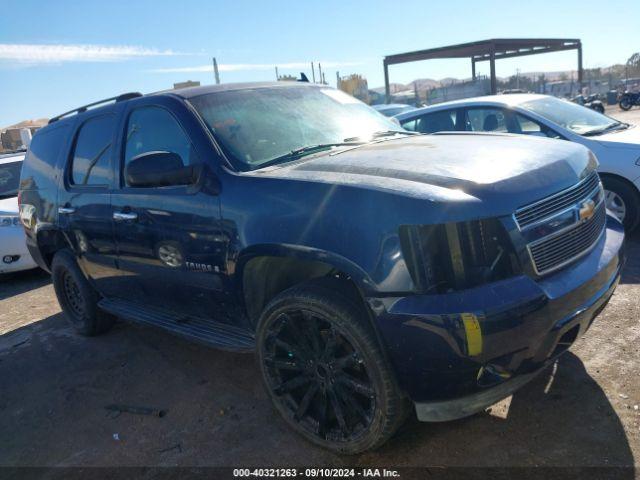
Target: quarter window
[
  {"x": 527, "y": 126},
  {"x": 152, "y": 129},
  {"x": 91, "y": 163}
]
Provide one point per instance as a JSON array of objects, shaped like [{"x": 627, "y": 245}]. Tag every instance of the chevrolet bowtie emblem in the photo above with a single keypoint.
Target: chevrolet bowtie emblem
[{"x": 587, "y": 209}]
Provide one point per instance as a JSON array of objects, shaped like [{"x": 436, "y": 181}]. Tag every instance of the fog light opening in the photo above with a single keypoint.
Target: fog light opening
[
  {"x": 566, "y": 341},
  {"x": 10, "y": 258}
]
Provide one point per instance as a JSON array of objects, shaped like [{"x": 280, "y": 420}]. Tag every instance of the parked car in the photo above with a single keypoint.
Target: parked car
[
  {"x": 14, "y": 255},
  {"x": 615, "y": 144},
  {"x": 372, "y": 270},
  {"x": 393, "y": 109}
]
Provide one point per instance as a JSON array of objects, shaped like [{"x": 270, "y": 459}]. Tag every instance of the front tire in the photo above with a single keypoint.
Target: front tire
[
  {"x": 623, "y": 201},
  {"x": 77, "y": 298},
  {"x": 324, "y": 370}
]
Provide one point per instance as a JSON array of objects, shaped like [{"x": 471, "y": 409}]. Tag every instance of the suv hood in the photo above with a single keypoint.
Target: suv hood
[
  {"x": 9, "y": 205},
  {"x": 508, "y": 170}
]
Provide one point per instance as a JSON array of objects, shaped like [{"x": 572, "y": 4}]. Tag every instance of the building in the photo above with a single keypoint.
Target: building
[
  {"x": 458, "y": 90},
  {"x": 11, "y": 139},
  {"x": 187, "y": 84},
  {"x": 355, "y": 85}
]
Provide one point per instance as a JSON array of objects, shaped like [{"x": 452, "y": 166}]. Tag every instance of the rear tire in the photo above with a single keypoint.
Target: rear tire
[
  {"x": 624, "y": 201},
  {"x": 625, "y": 103},
  {"x": 325, "y": 371},
  {"x": 77, "y": 298}
]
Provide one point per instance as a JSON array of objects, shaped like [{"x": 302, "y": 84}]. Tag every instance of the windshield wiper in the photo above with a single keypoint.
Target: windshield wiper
[
  {"x": 308, "y": 150},
  {"x": 611, "y": 126},
  {"x": 383, "y": 133}
]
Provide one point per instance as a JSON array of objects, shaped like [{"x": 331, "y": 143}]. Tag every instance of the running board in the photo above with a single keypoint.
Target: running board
[{"x": 201, "y": 330}]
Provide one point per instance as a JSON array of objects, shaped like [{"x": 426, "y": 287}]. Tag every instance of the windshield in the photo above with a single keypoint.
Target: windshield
[
  {"x": 571, "y": 116},
  {"x": 9, "y": 179},
  {"x": 260, "y": 126}
]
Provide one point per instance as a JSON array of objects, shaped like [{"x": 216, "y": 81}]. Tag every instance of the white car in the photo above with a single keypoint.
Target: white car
[
  {"x": 14, "y": 255},
  {"x": 615, "y": 144}
]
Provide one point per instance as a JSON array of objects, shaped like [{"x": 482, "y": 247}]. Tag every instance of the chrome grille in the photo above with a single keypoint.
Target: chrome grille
[
  {"x": 537, "y": 211},
  {"x": 555, "y": 251}
]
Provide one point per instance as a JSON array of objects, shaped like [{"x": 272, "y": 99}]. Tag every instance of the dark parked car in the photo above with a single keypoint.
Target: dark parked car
[{"x": 372, "y": 270}]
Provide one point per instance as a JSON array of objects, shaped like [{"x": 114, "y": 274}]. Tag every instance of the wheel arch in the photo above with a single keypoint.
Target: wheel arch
[
  {"x": 263, "y": 271},
  {"x": 613, "y": 176},
  {"x": 48, "y": 242}
]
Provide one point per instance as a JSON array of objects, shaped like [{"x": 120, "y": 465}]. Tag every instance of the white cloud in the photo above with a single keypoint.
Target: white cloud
[
  {"x": 32, "y": 54},
  {"x": 244, "y": 67}
]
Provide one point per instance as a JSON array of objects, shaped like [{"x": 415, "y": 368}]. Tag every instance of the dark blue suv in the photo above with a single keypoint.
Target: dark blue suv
[{"x": 375, "y": 272}]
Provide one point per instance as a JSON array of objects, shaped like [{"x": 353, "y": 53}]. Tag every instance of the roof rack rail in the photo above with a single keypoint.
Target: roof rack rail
[{"x": 84, "y": 108}]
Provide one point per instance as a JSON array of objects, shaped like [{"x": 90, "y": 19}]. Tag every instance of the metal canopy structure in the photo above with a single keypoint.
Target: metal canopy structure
[{"x": 487, "y": 50}]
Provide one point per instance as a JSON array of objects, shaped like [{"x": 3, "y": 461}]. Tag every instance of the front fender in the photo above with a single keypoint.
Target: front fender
[{"x": 304, "y": 253}]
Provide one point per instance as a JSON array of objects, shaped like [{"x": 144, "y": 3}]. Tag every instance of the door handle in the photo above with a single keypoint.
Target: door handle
[
  {"x": 66, "y": 210},
  {"x": 122, "y": 216}
]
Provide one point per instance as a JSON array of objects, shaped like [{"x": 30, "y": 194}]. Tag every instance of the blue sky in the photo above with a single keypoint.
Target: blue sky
[{"x": 56, "y": 55}]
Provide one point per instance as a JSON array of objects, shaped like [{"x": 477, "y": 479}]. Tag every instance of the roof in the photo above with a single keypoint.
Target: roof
[
  {"x": 510, "y": 100},
  {"x": 190, "y": 92},
  {"x": 387, "y": 106},
  {"x": 181, "y": 92},
  {"x": 482, "y": 50}
]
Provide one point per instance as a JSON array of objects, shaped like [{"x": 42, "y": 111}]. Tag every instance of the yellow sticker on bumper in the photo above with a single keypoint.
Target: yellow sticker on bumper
[{"x": 473, "y": 333}]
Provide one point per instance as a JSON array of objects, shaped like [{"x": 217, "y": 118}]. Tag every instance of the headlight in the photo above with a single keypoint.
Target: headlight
[
  {"x": 9, "y": 221},
  {"x": 457, "y": 256}
]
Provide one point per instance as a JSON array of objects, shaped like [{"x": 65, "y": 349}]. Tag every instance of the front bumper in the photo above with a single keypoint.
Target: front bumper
[
  {"x": 523, "y": 325},
  {"x": 13, "y": 244}
]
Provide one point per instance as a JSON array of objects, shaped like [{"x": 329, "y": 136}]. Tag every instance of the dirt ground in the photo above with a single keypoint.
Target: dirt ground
[{"x": 54, "y": 386}]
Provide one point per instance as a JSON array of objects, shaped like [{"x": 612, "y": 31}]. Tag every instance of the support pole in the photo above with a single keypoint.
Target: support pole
[
  {"x": 492, "y": 66},
  {"x": 277, "y": 76},
  {"x": 313, "y": 73},
  {"x": 580, "y": 67},
  {"x": 387, "y": 89},
  {"x": 473, "y": 69}
]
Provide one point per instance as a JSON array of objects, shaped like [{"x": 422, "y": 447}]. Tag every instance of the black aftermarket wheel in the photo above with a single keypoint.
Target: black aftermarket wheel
[
  {"x": 325, "y": 372},
  {"x": 77, "y": 297}
]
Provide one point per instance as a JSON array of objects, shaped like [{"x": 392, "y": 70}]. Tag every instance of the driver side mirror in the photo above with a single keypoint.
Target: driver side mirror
[{"x": 159, "y": 169}]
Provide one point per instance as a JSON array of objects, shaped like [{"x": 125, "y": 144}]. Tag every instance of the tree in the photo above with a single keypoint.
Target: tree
[{"x": 633, "y": 64}]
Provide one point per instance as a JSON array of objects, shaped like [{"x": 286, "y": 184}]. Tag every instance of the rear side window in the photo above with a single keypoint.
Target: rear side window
[
  {"x": 153, "y": 129},
  {"x": 486, "y": 120},
  {"x": 9, "y": 179},
  {"x": 91, "y": 161},
  {"x": 441, "y": 121},
  {"x": 42, "y": 157}
]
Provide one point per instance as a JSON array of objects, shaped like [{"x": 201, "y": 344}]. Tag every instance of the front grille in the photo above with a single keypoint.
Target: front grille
[
  {"x": 556, "y": 203},
  {"x": 555, "y": 251}
]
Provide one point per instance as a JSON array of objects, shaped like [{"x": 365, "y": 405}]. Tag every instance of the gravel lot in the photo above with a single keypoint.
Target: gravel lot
[{"x": 54, "y": 385}]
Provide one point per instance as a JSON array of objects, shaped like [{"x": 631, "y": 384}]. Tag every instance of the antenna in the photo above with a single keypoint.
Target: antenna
[{"x": 216, "y": 75}]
